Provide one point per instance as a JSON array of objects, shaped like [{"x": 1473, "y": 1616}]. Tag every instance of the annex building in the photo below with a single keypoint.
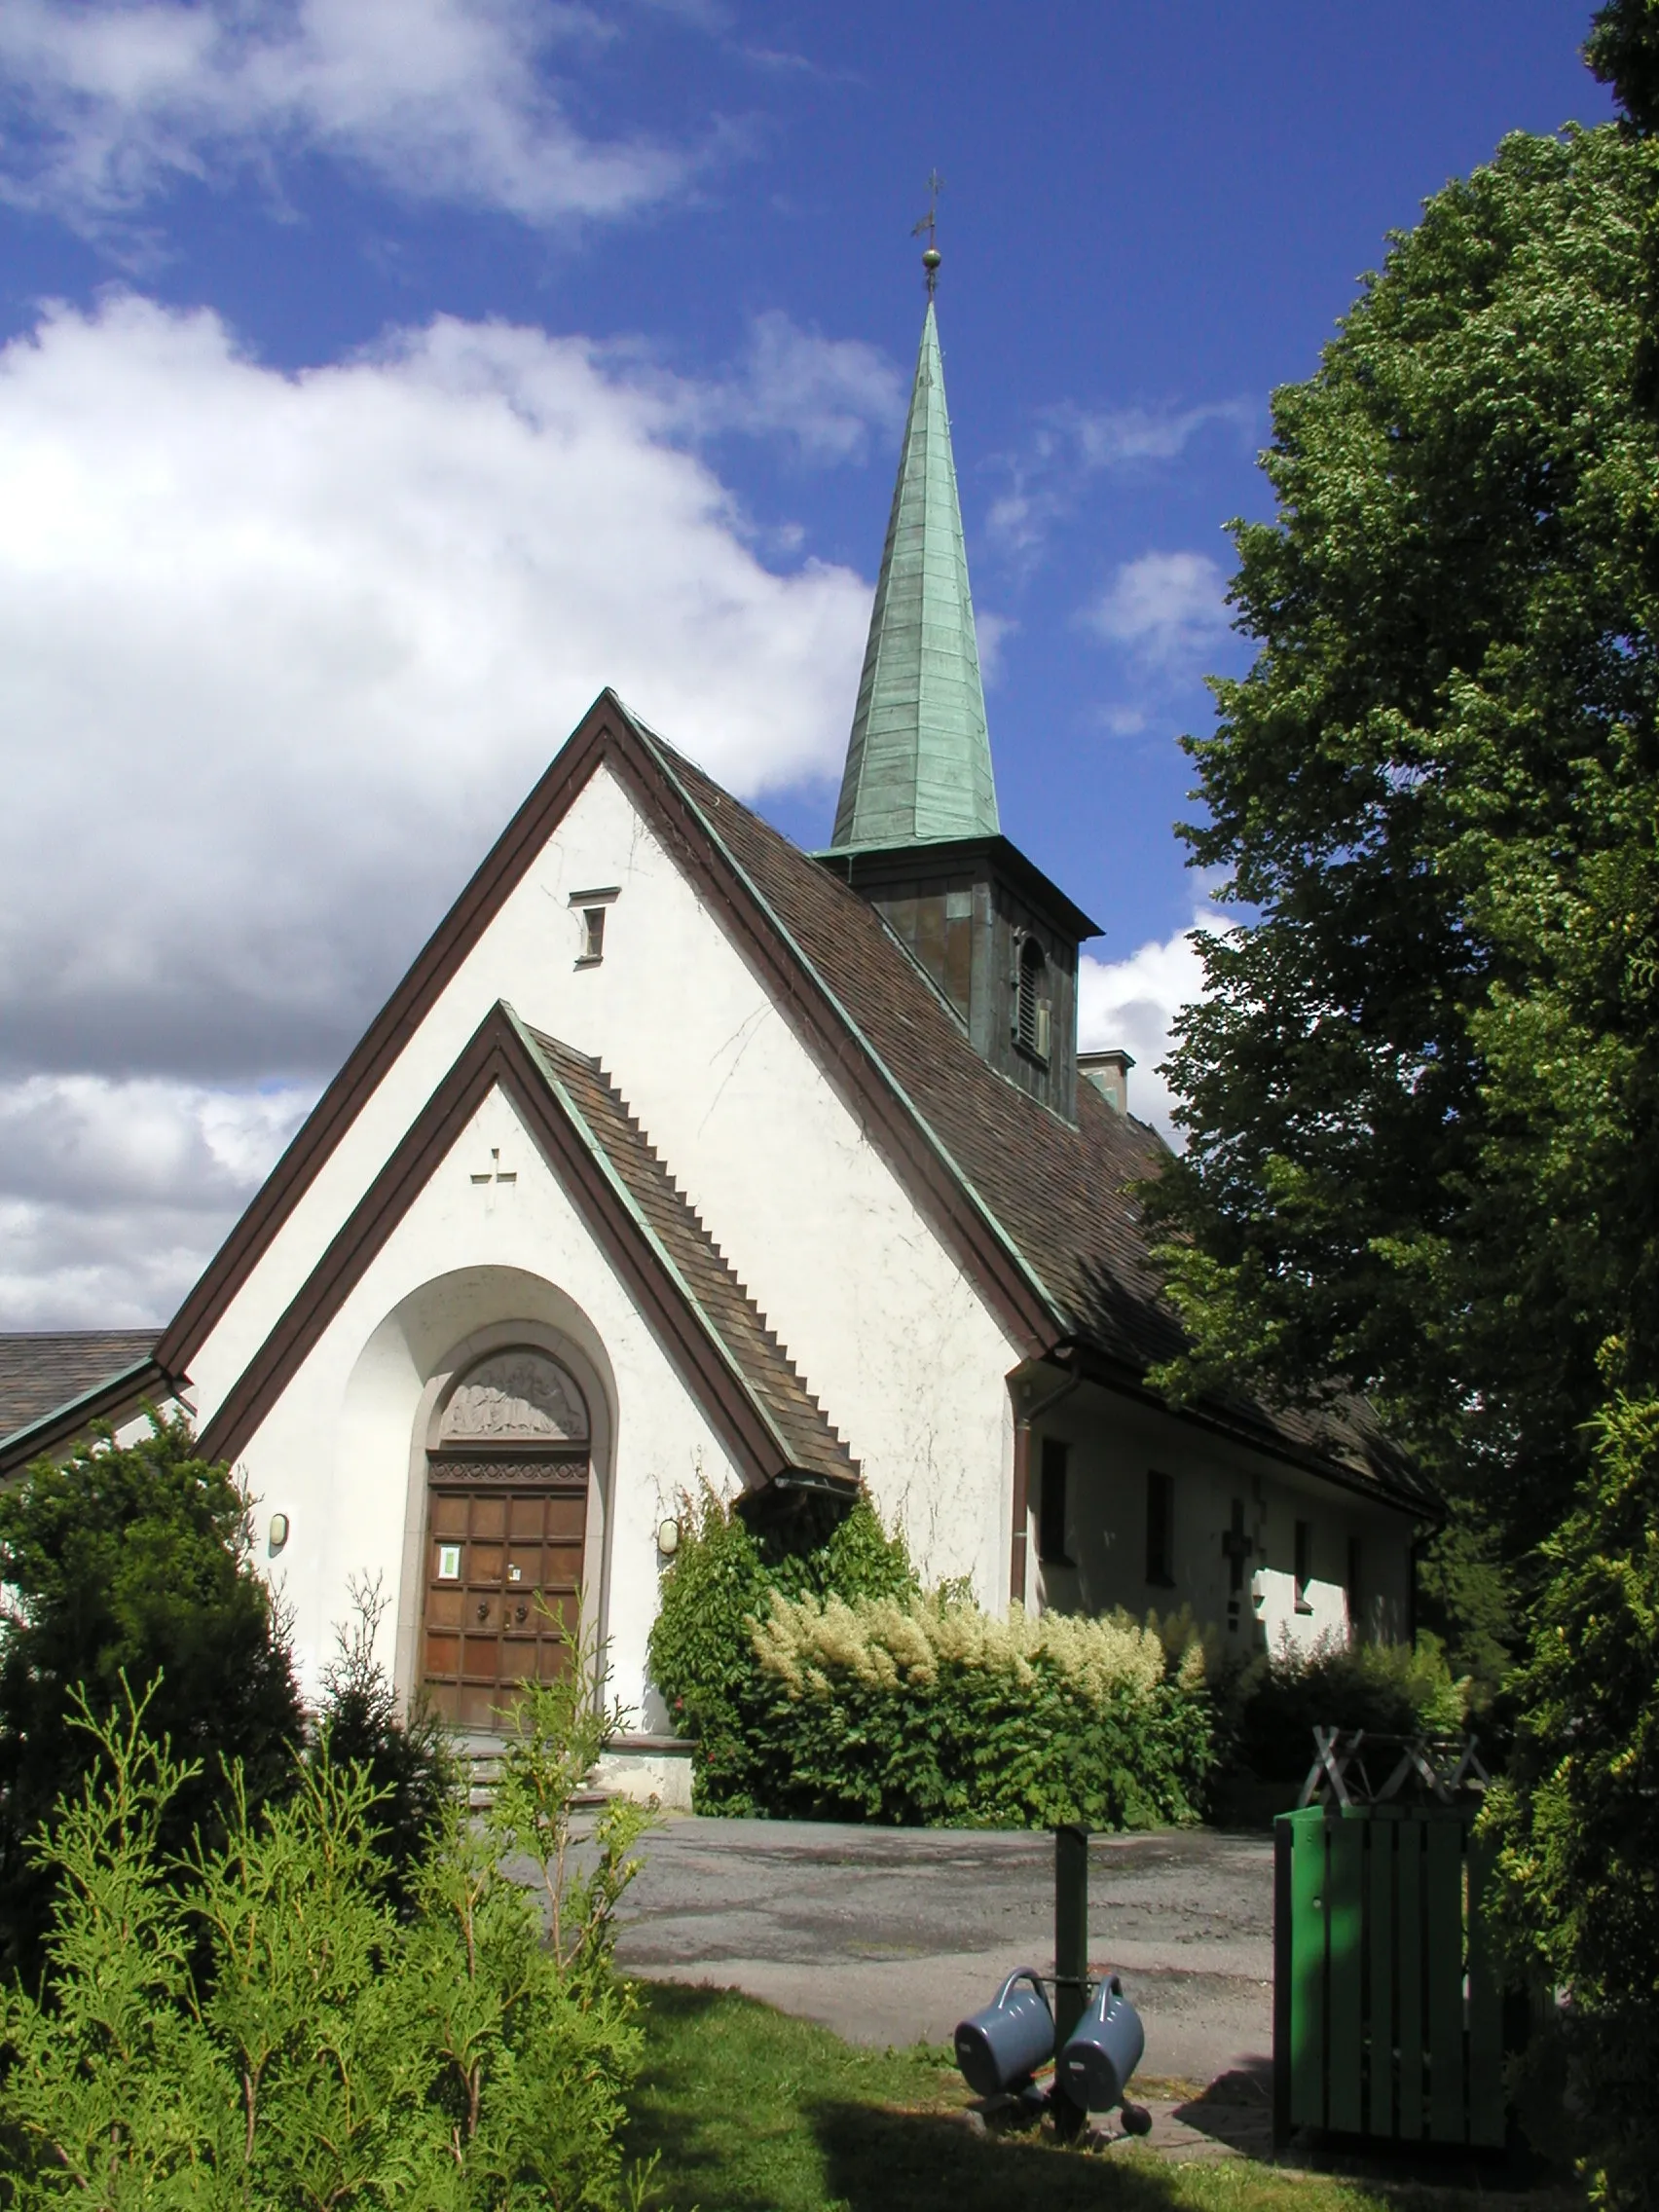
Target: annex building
[{"x": 683, "y": 1156}]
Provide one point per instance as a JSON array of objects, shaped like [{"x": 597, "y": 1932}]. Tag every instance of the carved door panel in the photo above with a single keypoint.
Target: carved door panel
[{"x": 503, "y": 1580}]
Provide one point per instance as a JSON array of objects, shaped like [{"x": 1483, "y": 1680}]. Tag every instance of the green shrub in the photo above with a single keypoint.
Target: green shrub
[
  {"x": 255, "y": 2026},
  {"x": 925, "y": 1711},
  {"x": 729, "y": 1561},
  {"x": 409, "y": 1760},
  {"x": 132, "y": 1560},
  {"x": 1577, "y": 1819},
  {"x": 1273, "y": 1706},
  {"x": 819, "y": 1682}
]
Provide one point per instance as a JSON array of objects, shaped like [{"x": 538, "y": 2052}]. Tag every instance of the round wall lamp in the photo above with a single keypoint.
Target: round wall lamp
[
  {"x": 278, "y": 1532},
  {"x": 668, "y": 1537}
]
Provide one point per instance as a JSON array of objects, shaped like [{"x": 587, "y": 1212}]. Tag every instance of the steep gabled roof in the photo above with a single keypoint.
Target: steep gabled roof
[
  {"x": 701, "y": 1313},
  {"x": 1062, "y": 1196},
  {"x": 1039, "y": 1214}
]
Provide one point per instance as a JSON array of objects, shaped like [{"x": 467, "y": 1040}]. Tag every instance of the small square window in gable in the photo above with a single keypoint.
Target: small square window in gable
[{"x": 590, "y": 907}]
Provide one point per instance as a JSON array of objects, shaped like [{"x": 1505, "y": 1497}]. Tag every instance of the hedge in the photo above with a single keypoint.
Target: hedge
[{"x": 820, "y": 1682}]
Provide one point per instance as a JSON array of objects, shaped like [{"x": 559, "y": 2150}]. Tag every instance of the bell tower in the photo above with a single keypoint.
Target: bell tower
[{"x": 916, "y": 828}]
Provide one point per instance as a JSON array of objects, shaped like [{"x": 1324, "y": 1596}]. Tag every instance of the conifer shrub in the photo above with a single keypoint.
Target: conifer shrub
[
  {"x": 819, "y": 1682},
  {"x": 256, "y": 2025},
  {"x": 135, "y": 1561}
]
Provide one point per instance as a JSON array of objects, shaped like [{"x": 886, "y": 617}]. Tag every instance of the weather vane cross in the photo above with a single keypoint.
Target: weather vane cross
[{"x": 931, "y": 256}]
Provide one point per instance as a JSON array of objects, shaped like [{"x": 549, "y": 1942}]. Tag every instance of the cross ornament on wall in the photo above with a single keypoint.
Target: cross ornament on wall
[
  {"x": 487, "y": 1178},
  {"x": 1236, "y": 1547}
]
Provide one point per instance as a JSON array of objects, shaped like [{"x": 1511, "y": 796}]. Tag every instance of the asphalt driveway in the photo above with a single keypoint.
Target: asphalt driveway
[{"x": 890, "y": 1935}]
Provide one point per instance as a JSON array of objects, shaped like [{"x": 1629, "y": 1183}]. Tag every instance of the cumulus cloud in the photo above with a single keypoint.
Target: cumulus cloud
[
  {"x": 1167, "y": 607},
  {"x": 113, "y": 1194},
  {"x": 440, "y": 100},
  {"x": 821, "y": 396},
  {"x": 1132, "y": 1004},
  {"x": 279, "y": 655}
]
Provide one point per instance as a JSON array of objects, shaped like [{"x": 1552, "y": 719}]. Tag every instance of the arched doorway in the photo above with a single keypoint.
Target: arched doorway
[{"x": 506, "y": 1518}]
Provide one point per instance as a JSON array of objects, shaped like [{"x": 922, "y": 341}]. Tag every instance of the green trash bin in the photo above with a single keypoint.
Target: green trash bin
[{"x": 1388, "y": 2017}]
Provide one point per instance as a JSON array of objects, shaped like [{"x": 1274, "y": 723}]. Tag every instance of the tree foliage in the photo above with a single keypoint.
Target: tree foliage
[
  {"x": 1578, "y": 1818},
  {"x": 257, "y": 2028},
  {"x": 132, "y": 1562},
  {"x": 1423, "y": 1094},
  {"x": 1623, "y": 51}
]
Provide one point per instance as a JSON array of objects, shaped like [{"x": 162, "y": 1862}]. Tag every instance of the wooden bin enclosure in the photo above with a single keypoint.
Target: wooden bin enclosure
[{"x": 1387, "y": 2013}]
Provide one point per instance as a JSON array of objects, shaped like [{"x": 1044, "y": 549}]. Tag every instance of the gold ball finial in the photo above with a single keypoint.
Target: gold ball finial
[{"x": 931, "y": 259}]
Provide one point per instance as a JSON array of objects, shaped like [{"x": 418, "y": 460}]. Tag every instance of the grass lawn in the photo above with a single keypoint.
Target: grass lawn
[{"x": 754, "y": 2112}]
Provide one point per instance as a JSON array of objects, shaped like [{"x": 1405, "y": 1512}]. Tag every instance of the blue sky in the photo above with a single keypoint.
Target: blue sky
[{"x": 382, "y": 376}]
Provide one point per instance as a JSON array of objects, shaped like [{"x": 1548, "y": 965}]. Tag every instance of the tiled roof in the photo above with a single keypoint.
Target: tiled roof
[
  {"x": 38, "y": 1374},
  {"x": 726, "y": 1307},
  {"x": 1061, "y": 1196}
]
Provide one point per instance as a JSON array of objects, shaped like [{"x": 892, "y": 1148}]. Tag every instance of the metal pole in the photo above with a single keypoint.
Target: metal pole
[{"x": 1071, "y": 1931}]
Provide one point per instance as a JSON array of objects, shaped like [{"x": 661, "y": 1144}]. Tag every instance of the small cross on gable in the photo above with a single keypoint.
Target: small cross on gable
[{"x": 495, "y": 1172}]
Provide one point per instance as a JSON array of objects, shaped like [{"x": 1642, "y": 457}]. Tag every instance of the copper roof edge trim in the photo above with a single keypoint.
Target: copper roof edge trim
[
  {"x": 660, "y": 1251},
  {"x": 50, "y": 1428}
]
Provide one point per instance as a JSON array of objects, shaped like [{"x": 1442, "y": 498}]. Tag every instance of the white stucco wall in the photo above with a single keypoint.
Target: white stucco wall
[
  {"x": 1115, "y": 1442},
  {"x": 342, "y": 1452},
  {"x": 882, "y": 1323}
]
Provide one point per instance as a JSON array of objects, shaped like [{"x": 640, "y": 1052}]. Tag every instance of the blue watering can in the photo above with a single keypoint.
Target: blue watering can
[
  {"x": 1003, "y": 2047},
  {"x": 1104, "y": 2049}
]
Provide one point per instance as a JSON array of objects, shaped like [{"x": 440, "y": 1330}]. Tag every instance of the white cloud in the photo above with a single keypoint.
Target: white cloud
[
  {"x": 279, "y": 654},
  {"x": 1134, "y": 1003},
  {"x": 1069, "y": 444},
  {"x": 113, "y": 1195},
  {"x": 1168, "y": 608},
  {"x": 823, "y": 395},
  {"x": 442, "y": 99},
  {"x": 1118, "y": 437}
]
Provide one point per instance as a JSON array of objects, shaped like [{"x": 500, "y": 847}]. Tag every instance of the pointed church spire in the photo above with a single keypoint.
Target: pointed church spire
[{"x": 919, "y": 760}]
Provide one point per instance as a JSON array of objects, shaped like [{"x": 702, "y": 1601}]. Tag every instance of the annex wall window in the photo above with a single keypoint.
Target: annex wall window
[
  {"x": 590, "y": 908},
  {"x": 1161, "y": 1530},
  {"x": 1052, "y": 1504},
  {"x": 1031, "y": 1008},
  {"x": 1304, "y": 1566}
]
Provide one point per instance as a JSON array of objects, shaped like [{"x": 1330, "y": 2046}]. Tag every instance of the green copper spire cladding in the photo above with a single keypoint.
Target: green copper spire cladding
[{"x": 919, "y": 760}]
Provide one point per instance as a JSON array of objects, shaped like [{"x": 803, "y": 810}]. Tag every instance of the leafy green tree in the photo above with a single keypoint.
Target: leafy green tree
[
  {"x": 1421, "y": 1096},
  {"x": 132, "y": 1562},
  {"x": 1578, "y": 1818},
  {"x": 1623, "y": 51}
]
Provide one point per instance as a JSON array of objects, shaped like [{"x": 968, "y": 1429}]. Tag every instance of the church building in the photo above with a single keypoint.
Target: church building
[{"x": 682, "y": 1156}]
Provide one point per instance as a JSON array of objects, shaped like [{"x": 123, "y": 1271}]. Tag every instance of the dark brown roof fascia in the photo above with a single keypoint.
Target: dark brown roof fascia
[
  {"x": 1096, "y": 1366},
  {"x": 402, "y": 1015},
  {"x": 496, "y": 1057},
  {"x": 130, "y": 1387}
]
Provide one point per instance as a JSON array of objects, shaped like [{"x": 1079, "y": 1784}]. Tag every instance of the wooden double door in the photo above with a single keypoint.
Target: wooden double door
[{"x": 503, "y": 1579}]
